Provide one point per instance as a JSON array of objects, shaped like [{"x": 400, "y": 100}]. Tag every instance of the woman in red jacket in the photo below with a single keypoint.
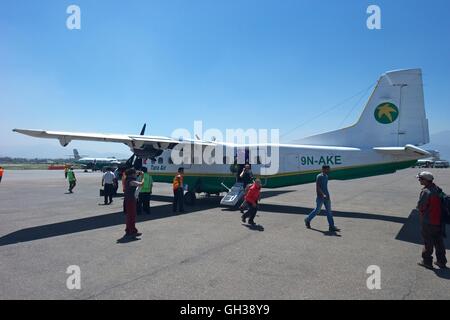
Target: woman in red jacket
[{"x": 252, "y": 198}]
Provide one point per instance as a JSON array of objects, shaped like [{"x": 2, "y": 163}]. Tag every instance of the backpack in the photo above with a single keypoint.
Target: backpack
[{"x": 445, "y": 207}]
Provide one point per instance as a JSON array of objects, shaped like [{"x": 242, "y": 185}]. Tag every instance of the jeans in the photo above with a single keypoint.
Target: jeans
[
  {"x": 433, "y": 239},
  {"x": 178, "y": 200},
  {"x": 251, "y": 213},
  {"x": 72, "y": 185},
  {"x": 320, "y": 202},
  {"x": 108, "y": 192},
  {"x": 144, "y": 202}
]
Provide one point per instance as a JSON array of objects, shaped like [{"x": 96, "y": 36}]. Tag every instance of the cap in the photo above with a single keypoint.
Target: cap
[{"x": 426, "y": 175}]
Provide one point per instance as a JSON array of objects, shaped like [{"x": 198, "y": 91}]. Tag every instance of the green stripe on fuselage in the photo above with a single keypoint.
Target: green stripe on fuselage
[{"x": 211, "y": 183}]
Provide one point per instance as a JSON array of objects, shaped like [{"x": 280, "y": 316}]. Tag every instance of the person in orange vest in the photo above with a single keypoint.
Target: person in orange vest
[
  {"x": 1, "y": 173},
  {"x": 178, "y": 191}
]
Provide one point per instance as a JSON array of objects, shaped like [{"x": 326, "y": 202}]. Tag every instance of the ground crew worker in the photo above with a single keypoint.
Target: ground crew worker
[
  {"x": 72, "y": 179},
  {"x": 1, "y": 173},
  {"x": 178, "y": 191},
  {"x": 432, "y": 231},
  {"x": 131, "y": 184},
  {"x": 251, "y": 198},
  {"x": 145, "y": 192},
  {"x": 108, "y": 186},
  {"x": 323, "y": 197},
  {"x": 246, "y": 175}
]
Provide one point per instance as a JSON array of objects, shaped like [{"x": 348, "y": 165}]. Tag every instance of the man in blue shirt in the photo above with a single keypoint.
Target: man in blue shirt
[{"x": 323, "y": 198}]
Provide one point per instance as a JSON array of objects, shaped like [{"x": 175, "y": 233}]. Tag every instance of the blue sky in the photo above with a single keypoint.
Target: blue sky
[{"x": 232, "y": 64}]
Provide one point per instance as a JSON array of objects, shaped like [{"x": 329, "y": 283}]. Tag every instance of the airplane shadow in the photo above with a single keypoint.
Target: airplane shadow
[
  {"x": 409, "y": 232},
  {"x": 109, "y": 220},
  {"x": 96, "y": 222}
]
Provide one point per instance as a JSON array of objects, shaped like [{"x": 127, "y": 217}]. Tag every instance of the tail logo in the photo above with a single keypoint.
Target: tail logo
[{"x": 386, "y": 113}]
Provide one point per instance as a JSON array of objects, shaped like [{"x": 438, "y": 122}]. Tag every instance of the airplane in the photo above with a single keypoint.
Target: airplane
[
  {"x": 95, "y": 163},
  {"x": 385, "y": 138}
]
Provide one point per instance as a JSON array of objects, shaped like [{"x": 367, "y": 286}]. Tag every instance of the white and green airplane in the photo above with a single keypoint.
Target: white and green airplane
[{"x": 384, "y": 139}]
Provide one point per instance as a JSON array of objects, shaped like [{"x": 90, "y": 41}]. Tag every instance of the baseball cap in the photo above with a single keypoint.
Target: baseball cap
[{"x": 426, "y": 175}]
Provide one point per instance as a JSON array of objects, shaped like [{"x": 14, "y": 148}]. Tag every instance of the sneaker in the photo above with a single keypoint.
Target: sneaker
[
  {"x": 334, "y": 229},
  {"x": 307, "y": 224},
  {"x": 425, "y": 265},
  {"x": 244, "y": 220},
  {"x": 441, "y": 265},
  {"x": 252, "y": 223}
]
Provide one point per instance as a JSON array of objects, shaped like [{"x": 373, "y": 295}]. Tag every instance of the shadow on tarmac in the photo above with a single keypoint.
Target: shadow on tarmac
[
  {"x": 95, "y": 222},
  {"x": 255, "y": 227},
  {"x": 327, "y": 233},
  {"x": 126, "y": 239},
  {"x": 111, "y": 219},
  {"x": 409, "y": 231}
]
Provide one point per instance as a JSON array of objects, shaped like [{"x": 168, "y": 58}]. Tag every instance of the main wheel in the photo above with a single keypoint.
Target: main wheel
[{"x": 189, "y": 198}]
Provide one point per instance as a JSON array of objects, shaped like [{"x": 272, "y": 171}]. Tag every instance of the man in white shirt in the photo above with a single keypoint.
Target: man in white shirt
[{"x": 108, "y": 183}]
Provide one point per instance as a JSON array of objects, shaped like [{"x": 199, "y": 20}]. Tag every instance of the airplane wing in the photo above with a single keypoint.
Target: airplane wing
[
  {"x": 132, "y": 141},
  {"x": 408, "y": 149}
]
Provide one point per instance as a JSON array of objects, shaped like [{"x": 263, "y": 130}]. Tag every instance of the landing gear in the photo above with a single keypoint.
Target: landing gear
[{"x": 189, "y": 198}]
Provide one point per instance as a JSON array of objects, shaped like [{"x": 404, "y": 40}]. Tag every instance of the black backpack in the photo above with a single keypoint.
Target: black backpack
[{"x": 445, "y": 207}]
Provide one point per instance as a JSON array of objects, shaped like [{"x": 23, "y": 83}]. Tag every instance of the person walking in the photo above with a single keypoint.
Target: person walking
[
  {"x": 252, "y": 198},
  {"x": 2, "y": 171},
  {"x": 108, "y": 181},
  {"x": 178, "y": 191},
  {"x": 131, "y": 184},
  {"x": 323, "y": 198},
  {"x": 432, "y": 227},
  {"x": 72, "y": 179}
]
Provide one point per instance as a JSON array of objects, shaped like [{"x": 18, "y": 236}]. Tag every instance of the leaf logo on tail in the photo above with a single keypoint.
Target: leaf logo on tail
[{"x": 386, "y": 113}]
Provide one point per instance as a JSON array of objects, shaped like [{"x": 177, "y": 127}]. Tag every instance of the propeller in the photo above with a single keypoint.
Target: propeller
[{"x": 135, "y": 161}]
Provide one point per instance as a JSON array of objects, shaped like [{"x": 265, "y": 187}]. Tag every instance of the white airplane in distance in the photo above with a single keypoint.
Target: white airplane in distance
[
  {"x": 384, "y": 139},
  {"x": 94, "y": 163}
]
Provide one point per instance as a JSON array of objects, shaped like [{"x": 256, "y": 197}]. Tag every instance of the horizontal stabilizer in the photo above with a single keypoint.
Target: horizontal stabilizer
[{"x": 408, "y": 149}]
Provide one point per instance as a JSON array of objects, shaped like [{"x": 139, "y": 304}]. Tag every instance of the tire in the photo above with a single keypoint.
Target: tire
[{"x": 190, "y": 198}]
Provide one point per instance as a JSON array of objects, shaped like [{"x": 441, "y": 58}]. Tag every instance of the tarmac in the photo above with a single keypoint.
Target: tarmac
[{"x": 208, "y": 253}]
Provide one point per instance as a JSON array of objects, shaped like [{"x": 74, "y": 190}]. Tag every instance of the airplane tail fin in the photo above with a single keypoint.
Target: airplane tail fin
[
  {"x": 394, "y": 116},
  {"x": 76, "y": 155}
]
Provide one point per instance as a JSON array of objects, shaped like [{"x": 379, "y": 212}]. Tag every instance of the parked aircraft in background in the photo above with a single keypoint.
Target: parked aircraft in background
[{"x": 94, "y": 163}]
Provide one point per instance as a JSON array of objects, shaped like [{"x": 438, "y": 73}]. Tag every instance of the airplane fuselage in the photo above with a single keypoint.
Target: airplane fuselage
[{"x": 297, "y": 165}]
